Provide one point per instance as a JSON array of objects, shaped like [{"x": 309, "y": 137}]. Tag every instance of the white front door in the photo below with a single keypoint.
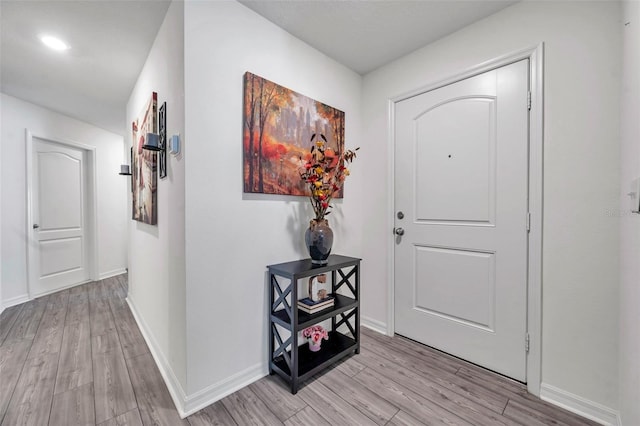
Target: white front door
[
  {"x": 461, "y": 179},
  {"x": 58, "y": 253}
]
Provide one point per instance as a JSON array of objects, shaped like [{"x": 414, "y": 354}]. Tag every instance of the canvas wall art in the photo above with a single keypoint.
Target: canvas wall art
[
  {"x": 145, "y": 165},
  {"x": 277, "y": 128}
]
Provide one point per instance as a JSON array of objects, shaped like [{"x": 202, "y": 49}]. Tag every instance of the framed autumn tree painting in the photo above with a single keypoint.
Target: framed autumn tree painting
[{"x": 278, "y": 124}]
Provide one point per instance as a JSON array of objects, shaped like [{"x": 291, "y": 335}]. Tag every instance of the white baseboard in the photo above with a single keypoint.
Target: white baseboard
[
  {"x": 113, "y": 273},
  {"x": 46, "y": 293},
  {"x": 579, "y": 405},
  {"x": 374, "y": 325},
  {"x": 207, "y": 396},
  {"x": 14, "y": 301},
  {"x": 189, "y": 404},
  {"x": 217, "y": 391},
  {"x": 173, "y": 384}
]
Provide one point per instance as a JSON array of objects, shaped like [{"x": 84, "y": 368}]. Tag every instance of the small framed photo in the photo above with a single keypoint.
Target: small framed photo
[{"x": 318, "y": 288}]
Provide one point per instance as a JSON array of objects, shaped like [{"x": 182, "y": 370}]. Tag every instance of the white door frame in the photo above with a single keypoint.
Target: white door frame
[
  {"x": 92, "y": 206},
  {"x": 536, "y": 122}
]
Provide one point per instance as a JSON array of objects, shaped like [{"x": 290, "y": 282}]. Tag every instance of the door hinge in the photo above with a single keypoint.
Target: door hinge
[
  {"x": 529, "y": 100},
  {"x": 528, "y": 222},
  {"x": 526, "y": 342}
]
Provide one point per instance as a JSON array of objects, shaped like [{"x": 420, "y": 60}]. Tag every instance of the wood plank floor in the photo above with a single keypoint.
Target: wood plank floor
[{"x": 77, "y": 357}]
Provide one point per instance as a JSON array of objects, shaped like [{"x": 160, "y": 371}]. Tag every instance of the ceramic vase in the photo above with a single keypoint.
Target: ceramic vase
[
  {"x": 319, "y": 239},
  {"x": 313, "y": 347}
]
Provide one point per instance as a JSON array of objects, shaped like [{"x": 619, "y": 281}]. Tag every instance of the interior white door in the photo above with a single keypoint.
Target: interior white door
[
  {"x": 58, "y": 256},
  {"x": 461, "y": 182}
]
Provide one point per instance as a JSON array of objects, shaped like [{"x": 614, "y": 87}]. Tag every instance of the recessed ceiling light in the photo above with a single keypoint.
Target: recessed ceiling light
[{"x": 54, "y": 43}]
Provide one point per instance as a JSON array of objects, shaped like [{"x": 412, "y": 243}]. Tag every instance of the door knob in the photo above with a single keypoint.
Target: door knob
[
  {"x": 36, "y": 226},
  {"x": 399, "y": 231}
]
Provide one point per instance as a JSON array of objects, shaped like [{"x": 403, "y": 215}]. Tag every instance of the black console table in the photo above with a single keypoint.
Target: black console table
[{"x": 297, "y": 363}]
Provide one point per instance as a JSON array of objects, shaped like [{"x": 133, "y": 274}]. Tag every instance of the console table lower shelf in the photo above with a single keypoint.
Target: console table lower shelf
[
  {"x": 310, "y": 363},
  {"x": 293, "y": 361}
]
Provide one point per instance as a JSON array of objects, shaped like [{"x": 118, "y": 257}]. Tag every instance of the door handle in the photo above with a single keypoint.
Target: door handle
[
  {"x": 399, "y": 231},
  {"x": 36, "y": 226}
]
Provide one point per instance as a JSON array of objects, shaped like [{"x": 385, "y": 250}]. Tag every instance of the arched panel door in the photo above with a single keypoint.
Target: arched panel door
[
  {"x": 59, "y": 206},
  {"x": 461, "y": 180}
]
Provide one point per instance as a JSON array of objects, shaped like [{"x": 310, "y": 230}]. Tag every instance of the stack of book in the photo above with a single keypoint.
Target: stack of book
[{"x": 309, "y": 306}]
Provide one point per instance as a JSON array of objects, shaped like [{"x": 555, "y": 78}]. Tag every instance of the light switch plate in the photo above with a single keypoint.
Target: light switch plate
[{"x": 634, "y": 195}]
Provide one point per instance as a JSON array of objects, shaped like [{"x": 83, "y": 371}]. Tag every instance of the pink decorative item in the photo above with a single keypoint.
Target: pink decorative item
[
  {"x": 312, "y": 347},
  {"x": 315, "y": 334}
]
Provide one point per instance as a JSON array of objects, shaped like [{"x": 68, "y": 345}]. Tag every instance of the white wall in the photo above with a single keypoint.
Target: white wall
[
  {"x": 2, "y": 305},
  {"x": 232, "y": 236},
  {"x": 630, "y": 224},
  {"x": 581, "y": 175},
  {"x": 18, "y": 115},
  {"x": 156, "y": 253}
]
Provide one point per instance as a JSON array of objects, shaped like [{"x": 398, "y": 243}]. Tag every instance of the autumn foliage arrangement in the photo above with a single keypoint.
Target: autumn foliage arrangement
[{"x": 325, "y": 173}]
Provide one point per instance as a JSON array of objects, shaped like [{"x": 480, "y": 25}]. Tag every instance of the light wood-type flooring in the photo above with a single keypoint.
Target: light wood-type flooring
[{"x": 77, "y": 357}]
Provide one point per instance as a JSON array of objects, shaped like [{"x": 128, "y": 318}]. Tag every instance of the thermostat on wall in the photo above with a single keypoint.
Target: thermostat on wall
[{"x": 174, "y": 144}]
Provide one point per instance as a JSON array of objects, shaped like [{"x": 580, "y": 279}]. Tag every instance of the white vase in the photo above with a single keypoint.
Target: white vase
[{"x": 313, "y": 347}]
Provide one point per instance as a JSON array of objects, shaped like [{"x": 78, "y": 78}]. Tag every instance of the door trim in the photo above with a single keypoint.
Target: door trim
[
  {"x": 535, "y": 55},
  {"x": 92, "y": 207}
]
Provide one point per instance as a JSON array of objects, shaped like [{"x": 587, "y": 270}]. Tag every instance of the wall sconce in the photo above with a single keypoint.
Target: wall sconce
[
  {"x": 152, "y": 142},
  {"x": 125, "y": 170},
  {"x": 157, "y": 142}
]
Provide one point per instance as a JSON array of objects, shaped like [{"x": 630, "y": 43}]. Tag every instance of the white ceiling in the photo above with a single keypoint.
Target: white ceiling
[
  {"x": 110, "y": 41},
  {"x": 366, "y": 34}
]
